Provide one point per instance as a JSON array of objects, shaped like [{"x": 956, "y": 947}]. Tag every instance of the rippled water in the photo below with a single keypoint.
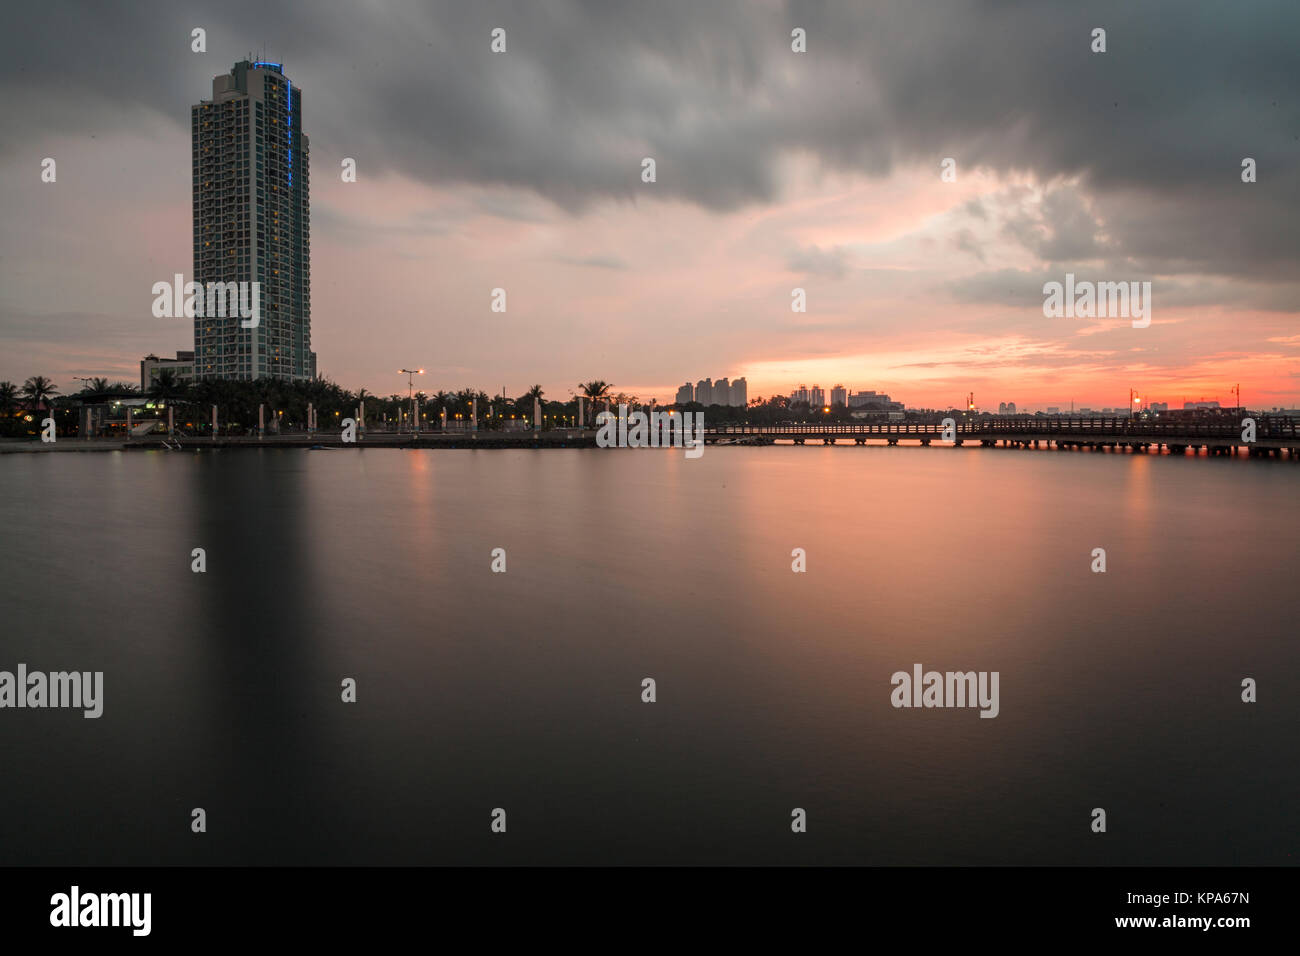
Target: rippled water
[{"x": 522, "y": 690}]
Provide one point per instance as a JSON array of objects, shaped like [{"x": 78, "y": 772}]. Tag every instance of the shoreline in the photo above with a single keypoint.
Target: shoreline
[{"x": 575, "y": 438}]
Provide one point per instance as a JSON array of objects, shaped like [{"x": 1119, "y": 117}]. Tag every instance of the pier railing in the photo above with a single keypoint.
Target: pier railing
[{"x": 1266, "y": 426}]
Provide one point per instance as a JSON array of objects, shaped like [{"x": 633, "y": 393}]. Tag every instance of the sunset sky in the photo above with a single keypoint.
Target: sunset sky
[{"x": 775, "y": 170}]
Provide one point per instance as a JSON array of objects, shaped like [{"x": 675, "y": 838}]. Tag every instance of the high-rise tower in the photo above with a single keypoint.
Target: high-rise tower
[{"x": 252, "y": 223}]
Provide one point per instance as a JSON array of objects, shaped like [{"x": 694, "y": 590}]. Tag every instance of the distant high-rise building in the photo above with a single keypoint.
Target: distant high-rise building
[
  {"x": 800, "y": 394},
  {"x": 1011, "y": 408},
  {"x": 839, "y": 395},
  {"x": 252, "y": 223},
  {"x": 1053, "y": 409},
  {"x": 859, "y": 399},
  {"x": 708, "y": 392},
  {"x": 1002, "y": 408},
  {"x": 817, "y": 396},
  {"x": 740, "y": 393}
]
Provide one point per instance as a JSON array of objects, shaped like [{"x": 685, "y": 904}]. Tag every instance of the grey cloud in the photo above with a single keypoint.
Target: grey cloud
[
  {"x": 595, "y": 261},
  {"x": 1011, "y": 287},
  {"x": 1021, "y": 289},
  {"x": 1154, "y": 129},
  {"x": 966, "y": 241},
  {"x": 1062, "y": 228},
  {"x": 813, "y": 260}
]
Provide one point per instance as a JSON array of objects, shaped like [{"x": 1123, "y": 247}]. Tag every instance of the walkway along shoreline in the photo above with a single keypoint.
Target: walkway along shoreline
[{"x": 1211, "y": 444}]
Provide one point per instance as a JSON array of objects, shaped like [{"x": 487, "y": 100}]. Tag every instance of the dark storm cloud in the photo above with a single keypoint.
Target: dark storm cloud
[
  {"x": 1154, "y": 129},
  {"x": 1063, "y": 228}
]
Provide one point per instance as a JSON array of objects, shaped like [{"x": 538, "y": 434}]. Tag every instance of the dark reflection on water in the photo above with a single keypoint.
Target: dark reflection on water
[{"x": 522, "y": 690}]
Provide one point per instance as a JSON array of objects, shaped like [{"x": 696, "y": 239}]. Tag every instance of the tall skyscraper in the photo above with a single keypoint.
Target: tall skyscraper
[
  {"x": 817, "y": 397},
  {"x": 252, "y": 223},
  {"x": 708, "y": 392},
  {"x": 839, "y": 395},
  {"x": 740, "y": 392}
]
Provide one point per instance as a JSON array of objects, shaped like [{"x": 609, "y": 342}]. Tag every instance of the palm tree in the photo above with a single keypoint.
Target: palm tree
[
  {"x": 8, "y": 397},
  {"x": 166, "y": 386},
  {"x": 38, "y": 389},
  {"x": 527, "y": 402},
  {"x": 595, "y": 390}
]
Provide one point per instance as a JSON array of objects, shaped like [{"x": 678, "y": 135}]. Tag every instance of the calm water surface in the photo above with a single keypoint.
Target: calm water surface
[{"x": 522, "y": 690}]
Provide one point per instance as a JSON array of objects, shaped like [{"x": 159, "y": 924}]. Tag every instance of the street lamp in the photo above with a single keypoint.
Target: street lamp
[{"x": 410, "y": 374}]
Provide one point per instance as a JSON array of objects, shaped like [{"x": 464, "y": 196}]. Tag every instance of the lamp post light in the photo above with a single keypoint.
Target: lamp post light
[{"x": 410, "y": 374}]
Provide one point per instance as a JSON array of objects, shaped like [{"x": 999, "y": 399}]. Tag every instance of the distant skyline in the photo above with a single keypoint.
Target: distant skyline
[{"x": 775, "y": 170}]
